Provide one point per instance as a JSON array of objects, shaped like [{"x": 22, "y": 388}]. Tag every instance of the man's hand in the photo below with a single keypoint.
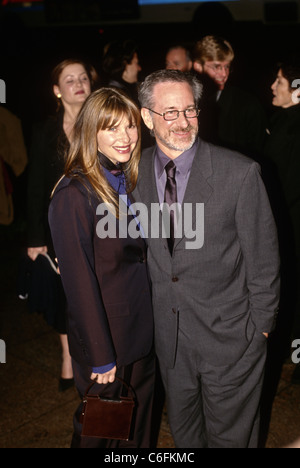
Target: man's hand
[
  {"x": 266, "y": 335},
  {"x": 108, "y": 377}
]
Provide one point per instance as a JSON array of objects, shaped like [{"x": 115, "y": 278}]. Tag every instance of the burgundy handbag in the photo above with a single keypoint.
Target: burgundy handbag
[{"x": 108, "y": 419}]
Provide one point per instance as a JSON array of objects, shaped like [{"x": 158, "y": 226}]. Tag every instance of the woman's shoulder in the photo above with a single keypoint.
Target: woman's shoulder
[
  {"x": 72, "y": 197},
  {"x": 74, "y": 184}
]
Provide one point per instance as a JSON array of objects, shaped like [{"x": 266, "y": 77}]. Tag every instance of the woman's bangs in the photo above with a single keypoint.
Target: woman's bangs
[{"x": 114, "y": 116}]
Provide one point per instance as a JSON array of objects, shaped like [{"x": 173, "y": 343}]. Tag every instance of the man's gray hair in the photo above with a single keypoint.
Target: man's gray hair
[{"x": 167, "y": 76}]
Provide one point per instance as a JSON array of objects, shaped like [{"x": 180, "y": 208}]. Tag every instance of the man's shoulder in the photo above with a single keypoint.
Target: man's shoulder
[
  {"x": 227, "y": 161},
  {"x": 225, "y": 154}
]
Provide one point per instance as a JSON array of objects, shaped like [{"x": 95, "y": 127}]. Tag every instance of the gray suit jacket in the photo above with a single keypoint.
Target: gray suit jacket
[{"x": 225, "y": 293}]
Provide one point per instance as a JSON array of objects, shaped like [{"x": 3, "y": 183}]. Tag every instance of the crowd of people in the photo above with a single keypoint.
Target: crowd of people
[{"x": 185, "y": 135}]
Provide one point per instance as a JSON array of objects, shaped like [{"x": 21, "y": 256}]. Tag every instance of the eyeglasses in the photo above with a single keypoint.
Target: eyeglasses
[
  {"x": 190, "y": 113},
  {"x": 218, "y": 68}
]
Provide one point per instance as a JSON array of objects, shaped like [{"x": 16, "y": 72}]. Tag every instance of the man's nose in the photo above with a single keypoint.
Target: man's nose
[
  {"x": 223, "y": 72},
  {"x": 182, "y": 120}
]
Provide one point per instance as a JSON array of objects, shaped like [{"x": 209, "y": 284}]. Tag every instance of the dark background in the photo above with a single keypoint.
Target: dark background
[
  {"x": 27, "y": 57},
  {"x": 30, "y": 49},
  {"x": 28, "y": 53}
]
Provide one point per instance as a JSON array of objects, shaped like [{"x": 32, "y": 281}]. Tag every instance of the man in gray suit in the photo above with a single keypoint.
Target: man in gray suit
[{"x": 215, "y": 299}]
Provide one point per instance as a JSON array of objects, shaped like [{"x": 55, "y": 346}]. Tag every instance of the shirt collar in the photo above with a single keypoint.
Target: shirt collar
[
  {"x": 183, "y": 163},
  {"x": 118, "y": 183}
]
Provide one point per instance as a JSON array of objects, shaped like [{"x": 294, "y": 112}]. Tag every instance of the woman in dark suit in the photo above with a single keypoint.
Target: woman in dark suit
[
  {"x": 103, "y": 268},
  {"x": 73, "y": 81}
]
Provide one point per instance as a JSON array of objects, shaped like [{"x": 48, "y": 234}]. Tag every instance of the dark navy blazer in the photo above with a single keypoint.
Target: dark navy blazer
[{"x": 105, "y": 280}]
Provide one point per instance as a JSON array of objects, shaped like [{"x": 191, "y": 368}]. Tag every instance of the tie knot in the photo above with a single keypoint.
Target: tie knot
[{"x": 170, "y": 169}]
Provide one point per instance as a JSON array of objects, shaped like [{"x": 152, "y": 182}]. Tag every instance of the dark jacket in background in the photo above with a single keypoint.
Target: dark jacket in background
[
  {"x": 283, "y": 149},
  {"x": 236, "y": 121},
  {"x": 46, "y": 166},
  {"x": 282, "y": 156}
]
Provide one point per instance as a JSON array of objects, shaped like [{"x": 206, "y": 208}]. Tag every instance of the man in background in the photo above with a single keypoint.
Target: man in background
[
  {"x": 230, "y": 116},
  {"x": 179, "y": 58}
]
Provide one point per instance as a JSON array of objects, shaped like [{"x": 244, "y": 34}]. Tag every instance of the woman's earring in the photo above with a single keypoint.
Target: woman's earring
[{"x": 59, "y": 95}]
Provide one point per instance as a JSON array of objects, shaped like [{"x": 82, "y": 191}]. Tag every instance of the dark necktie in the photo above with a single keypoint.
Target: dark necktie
[{"x": 170, "y": 198}]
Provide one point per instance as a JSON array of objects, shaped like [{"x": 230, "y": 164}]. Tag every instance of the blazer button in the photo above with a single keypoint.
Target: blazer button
[
  {"x": 175, "y": 279},
  {"x": 142, "y": 260},
  {"x": 174, "y": 311}
]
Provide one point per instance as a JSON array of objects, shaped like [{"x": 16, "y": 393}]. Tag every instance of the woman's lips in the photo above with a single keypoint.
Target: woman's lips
[
  {"x": 123, "y": 149},
  {"x": 80, "y": 92}
]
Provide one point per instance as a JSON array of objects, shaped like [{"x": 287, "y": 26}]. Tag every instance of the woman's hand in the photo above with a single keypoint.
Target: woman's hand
[
  {"x": 108, "y": 377},
  {"x": 34, "y": 252}
]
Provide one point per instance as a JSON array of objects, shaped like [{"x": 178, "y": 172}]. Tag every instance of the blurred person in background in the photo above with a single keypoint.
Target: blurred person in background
[
  {"x": 282, "y": 149},
  {"x": 230, "y": 116},
  {"x": 120, "y": 69},
  {"x": 178, "y": 57},
  {"x": 121, "y": 66},
  {"x": 13, "y": 161},
  {"x": 72, "y": 82}
]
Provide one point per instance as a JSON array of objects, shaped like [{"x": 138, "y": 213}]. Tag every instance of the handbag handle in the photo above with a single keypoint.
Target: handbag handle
[{"x": 117, "y": 378}]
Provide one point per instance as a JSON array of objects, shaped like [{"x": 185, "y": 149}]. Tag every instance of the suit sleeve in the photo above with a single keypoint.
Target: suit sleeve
[
  {"x": 72, "y": 226},
  {"x": 259, "y": 242}
]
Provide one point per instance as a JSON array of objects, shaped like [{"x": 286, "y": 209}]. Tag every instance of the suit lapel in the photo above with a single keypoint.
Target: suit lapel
[
  {"x": 198, "y": 188},
  {"x": 146, "y": 190}
]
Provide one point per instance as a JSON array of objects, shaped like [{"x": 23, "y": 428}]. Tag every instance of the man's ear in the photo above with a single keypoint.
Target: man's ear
[
  {"x": 198, "y": 67},
  {"x": 146, "y": 116}
]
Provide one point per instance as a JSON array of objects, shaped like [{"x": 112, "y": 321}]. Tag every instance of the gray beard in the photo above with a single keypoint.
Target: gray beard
[{"x": 169, "y": 144}]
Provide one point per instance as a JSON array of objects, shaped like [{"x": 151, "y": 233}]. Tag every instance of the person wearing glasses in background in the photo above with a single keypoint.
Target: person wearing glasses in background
[
  {"x": 214, "y": 301},
  {"x": 230, "y": 116}
]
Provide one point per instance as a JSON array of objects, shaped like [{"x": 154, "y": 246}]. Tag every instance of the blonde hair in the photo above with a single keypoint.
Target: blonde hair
[
  {"x": 102, "y": 110},
  {"x": 211, "y": 49}
]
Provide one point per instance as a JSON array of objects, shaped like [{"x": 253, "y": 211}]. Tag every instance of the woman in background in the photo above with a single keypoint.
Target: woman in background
[
  {"x": 72, "y": 82},
  {"x": 103, "y": 269},
  {"x": 282, "y": 148}
]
